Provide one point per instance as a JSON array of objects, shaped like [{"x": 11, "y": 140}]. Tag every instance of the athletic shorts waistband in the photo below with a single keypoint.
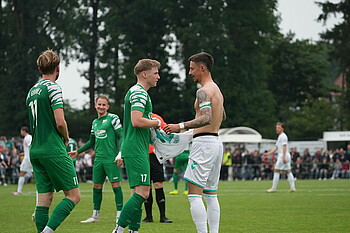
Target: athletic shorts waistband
[{"x": 205, "y": 134}]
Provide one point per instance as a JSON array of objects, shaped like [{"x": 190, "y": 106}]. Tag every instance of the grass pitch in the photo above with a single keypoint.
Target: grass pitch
[{"x": 317, "y": 206}]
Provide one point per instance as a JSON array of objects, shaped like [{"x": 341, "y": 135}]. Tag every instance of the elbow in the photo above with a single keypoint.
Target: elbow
[
  {"x": 136, "y": 124},
  {"x": 60, "y": 124}
]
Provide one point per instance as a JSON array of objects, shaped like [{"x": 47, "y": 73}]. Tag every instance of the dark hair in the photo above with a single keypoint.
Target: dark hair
[
  {"x": 25, "y": 128},
  {"x": 204, "y": 58}
]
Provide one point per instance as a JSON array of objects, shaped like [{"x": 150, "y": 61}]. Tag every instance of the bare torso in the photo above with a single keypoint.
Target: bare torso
[{"x": 217, "y": 105}]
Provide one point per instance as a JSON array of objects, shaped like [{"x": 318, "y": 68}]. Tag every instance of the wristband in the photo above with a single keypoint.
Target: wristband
[
  {"x": 182, "y": 125},
  {"x": 159, "y": 122}
]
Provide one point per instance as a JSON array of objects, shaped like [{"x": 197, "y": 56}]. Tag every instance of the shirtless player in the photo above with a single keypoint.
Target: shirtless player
[{"x": 203, "y": 170}]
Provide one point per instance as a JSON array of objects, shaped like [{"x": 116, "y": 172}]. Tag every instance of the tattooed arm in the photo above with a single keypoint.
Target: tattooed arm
[
  {"x": 205, "y": 113},
  {"x": 203, "y": 118}
]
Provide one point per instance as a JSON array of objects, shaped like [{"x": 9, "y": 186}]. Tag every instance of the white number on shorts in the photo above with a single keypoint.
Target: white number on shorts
[
  {"x": 34, "y": 108},
  {"x": 75, "y": 180},
  {"x": 143, "y": 177}
]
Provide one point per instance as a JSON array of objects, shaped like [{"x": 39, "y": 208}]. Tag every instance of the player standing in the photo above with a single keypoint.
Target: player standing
[
  {"x": 283, "y": 163},
  {"x": 53, "y": 168},
  {"x": 106, "y": 137},
  {"x": 135, "y": 147},
  {"x": 203, "y": 170},
  {"x": 26, "y": 166}
]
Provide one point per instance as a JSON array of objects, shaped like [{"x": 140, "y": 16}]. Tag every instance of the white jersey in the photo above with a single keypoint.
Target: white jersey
[
  {"x": 281, "y": 141},
  {"x": 26, "y": 145}
]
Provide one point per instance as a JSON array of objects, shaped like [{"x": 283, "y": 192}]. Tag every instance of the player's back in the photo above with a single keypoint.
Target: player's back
[{"x": 42, "y": 99}]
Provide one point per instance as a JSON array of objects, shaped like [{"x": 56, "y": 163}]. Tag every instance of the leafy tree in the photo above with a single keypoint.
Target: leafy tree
[
  {"x": 309, "y": 123},
  {"x": 338, "y": 36},
  {"x": 24, "y": 34}
]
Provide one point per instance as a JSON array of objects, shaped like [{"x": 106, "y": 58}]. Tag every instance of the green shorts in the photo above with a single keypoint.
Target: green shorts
[
  {"x": 105, "y": 168},
  {"x": 181, "y": 161},
  {"x": 138, "y": 171},
  {"x": 56, "y": 173}
]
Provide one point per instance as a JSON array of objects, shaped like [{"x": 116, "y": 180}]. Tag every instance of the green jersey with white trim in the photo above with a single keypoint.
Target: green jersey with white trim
[
  {"x": 136, "y": 140},
  {"x": 105, "y": 130},
  {"x": 42, "y": 99}
]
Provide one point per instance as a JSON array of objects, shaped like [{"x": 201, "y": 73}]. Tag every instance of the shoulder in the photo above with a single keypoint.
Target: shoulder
[{"x": 112, "y": 116}]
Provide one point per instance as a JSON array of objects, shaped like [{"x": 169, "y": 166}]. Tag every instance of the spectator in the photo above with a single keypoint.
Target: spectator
[
  {"x": 345, "y": 170},
  {"x": 315, "y": 170},
  {"x": 299, "y": 169},
  {"x": 256, "y": 165},
  {"x": 324, "y": 169},
  {"x": 88, "y": 162},
  {"x": 337, "y": 169},
  {"x": 237, "y": 165},
  {"x": 307, "y": 166},
  {"x": 226, "y": 164}
]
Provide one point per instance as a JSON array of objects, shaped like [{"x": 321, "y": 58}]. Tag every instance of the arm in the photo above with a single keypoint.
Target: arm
[
  {"x": 120, "y": 137},
  {"x": 205, "y": 114},
  {"x": 138, "y": 121},
  {"x": 61, "y": 124},
  {"x": 89, "y": 144},
  {"x": 284, "y": 148},
  {"x": 271, "y": 151},
  {"x": 202, "y": 119}
]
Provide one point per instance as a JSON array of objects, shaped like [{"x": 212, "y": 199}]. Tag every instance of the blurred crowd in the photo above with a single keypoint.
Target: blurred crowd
[
  {"x": 241, "y": 164},
  {"x": 237, "y": 164}
]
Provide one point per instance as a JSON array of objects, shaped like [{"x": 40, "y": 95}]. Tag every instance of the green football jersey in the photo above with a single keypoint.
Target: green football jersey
[
  {"x": 105, "y": 130},
  {"x": 72, "y": 145},
  {"x": 42, "y": 99},
  {"x": 136, "y": 140}
]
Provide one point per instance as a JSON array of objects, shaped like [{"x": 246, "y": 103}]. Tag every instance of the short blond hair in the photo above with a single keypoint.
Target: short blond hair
[
  {"x": 145, "y": 64},
  {"x": 48, "y": 61}
]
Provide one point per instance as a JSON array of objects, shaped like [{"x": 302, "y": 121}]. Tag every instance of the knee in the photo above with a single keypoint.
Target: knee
[
  {"x": 98, "y": 186},
  {"x": 158, "y": 185}
]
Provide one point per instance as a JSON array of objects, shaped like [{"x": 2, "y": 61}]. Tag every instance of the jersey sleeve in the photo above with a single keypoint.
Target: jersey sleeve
[
  {"x": 117, "y": 126},
  {"x": 138, "y": 100},
  {"x": 55, "y": 96},
  {"x": 284, "y": 140},
  {"x": 28, "y": 140}
]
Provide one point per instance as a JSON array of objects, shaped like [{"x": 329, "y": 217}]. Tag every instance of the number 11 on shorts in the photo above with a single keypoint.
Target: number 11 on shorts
[{"x": 143, "y": 177}]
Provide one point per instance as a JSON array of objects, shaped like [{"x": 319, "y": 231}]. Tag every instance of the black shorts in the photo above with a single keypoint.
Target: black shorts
[{"x": 157, "y": 172}]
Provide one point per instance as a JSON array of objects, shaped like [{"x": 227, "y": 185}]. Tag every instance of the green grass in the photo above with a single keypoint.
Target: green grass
[{"x": 317, "y": 206}]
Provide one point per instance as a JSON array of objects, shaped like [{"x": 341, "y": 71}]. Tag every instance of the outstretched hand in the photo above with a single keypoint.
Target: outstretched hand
[
  {"x": 73, "y": 154},
  {"x": 171, "y": 128}
]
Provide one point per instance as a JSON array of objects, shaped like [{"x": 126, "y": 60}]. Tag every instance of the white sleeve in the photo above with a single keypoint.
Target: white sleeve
[{"x": 284, "y": 140}]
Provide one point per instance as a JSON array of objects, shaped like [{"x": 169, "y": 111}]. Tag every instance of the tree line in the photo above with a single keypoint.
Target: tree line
[{"x": 265, "y": 76}]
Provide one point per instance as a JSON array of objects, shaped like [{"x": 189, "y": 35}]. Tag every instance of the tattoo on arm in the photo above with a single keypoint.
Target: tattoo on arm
[{"x": 205, "y": 115}]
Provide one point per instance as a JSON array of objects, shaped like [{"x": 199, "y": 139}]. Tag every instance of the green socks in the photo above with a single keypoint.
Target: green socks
[
  {"x": 60, "y": 213},
  {"x": 175, "y": 179},
  {"x": 97, "y": 198},
  {"x": 132, "y": 212},
  {"x": 118, "y": 196},
  {"x": 41, "y": 217}
]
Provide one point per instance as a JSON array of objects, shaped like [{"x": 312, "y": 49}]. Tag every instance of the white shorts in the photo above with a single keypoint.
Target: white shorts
[
  {"x": 283, "y": 166},
  {"x": 204, "y": 162},
  {"x": 26, "y": 166}
]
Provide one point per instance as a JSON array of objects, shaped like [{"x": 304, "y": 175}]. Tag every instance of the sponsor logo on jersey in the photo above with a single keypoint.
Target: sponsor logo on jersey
[
  {"x": 104, "y": 121},
  {"x": 101, "y": 134}
]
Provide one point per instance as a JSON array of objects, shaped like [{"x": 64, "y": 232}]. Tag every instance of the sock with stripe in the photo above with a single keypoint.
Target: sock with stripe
[{"x": 213, "y": 212}]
